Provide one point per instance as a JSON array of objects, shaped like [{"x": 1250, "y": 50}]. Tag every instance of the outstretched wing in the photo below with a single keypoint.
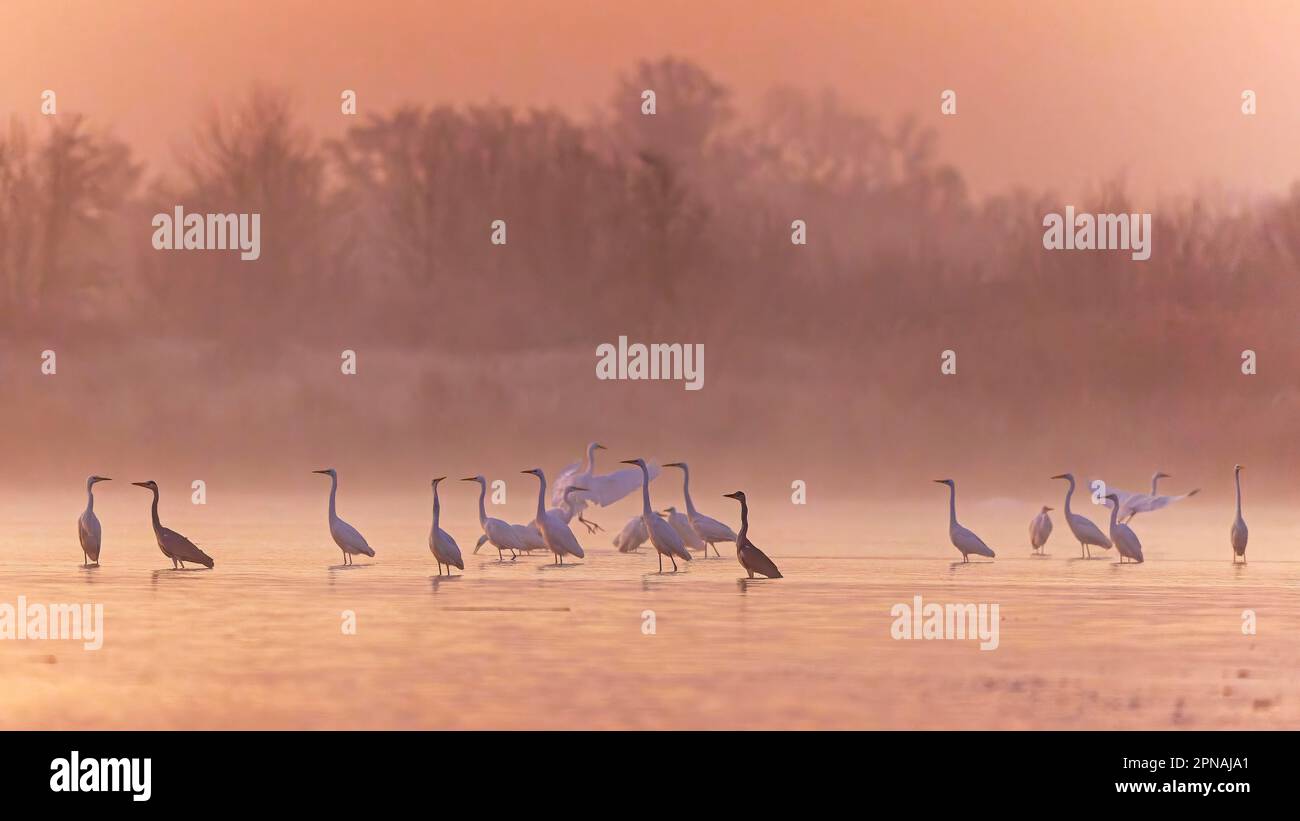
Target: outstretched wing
[
  {"x": 182, "y": 548},
  {"x": 563, "y": 481},
  {"x": 1151, "y": 503},
  {"x": 607, "y": 489}
]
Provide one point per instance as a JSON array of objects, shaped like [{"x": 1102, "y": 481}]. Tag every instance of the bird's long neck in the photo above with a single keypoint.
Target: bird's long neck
[
  {"x": 334, "y": 489},
  {"x": 1154, "y": 480},
  {"x": 1068, "y": 494},
  {"x": 1114, "y": 514},
  {"x": 1238, "y": 479},
  {"x": 744, "y": 523},
  {"x": 686, "y": 490},
  {"x": 482, "y": 512},
  {"x": 952, "y": 504},
  {"x": 541, "y": 495},
  {"x": 645, "y": 490},
  {"x": 589, "y": 464},
  {"x": 437, "y": 507},
  {"x": 157, "y": 524},
  {"x": 90, "y": 497}
]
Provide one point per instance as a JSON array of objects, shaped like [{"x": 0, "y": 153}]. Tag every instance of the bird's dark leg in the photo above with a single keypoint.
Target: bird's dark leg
[
  {"x": 673, "y": 559},
  {"x": 661, "y": 562},
  {"x": 751, "y": 573},
  {"x": 513, "y": 554},
  {"x": 592, "y": 527}
]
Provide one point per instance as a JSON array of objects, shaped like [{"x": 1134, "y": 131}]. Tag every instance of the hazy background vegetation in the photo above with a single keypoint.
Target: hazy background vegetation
[{"x": 822, "y": 361}]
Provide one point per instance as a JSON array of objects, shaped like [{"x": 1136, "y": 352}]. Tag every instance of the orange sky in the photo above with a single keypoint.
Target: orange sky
[{"x": 1054, "y": 94}]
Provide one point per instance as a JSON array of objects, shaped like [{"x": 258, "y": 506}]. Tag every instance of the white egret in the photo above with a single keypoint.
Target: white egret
[
  {"x": 685, "y": 530},
  {"x": 601, "y": 490},
  {"x": 632, "y": 536},
  {"x": 662, "y": 536},
  {"x": 502, "y": 535},
  {"x": 962, "y": 539},
  {"x": 747, "y": 553},
  {"x": 1085, "y": 531},
  {"x": 1126, "y": 541},
  {"x": 555, "y": 533},
  {"x": 1040, "y": 528},
  {"x": 172, "y": 544},
  {"x": 350, "y": 541},
  {"x": 441, "y": 544},
  {"x": 710, "y": 529},
  {"x": 1239, "y": 532},
  {"x": 88, "y": 530},
  {"x": 1131, "y": 504}
]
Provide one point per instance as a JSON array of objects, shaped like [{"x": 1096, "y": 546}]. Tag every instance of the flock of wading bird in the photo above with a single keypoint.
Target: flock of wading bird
[
  {"x": 672, "y": 533},
  {"x": 1123, "y": 507}
]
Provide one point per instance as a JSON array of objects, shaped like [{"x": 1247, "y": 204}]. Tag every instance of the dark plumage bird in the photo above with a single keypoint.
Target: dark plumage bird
[
  {"x": 749, "y": 556},
  {"x": 172, "y": 544}
]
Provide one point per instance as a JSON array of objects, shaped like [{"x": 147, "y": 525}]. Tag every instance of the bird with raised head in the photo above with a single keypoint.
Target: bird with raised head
[
  {"x": 962, "y": 539},
  {"x": 172, "y": 544},
  {"x": 347, "y": 537},
  {"x": 747, "y": 553},
  {"x": 666, "y": 540},
  {"x": 88, "y": 530}
]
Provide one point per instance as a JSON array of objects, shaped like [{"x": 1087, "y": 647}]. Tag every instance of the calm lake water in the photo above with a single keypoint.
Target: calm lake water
[{"x": 258, "y": 641}]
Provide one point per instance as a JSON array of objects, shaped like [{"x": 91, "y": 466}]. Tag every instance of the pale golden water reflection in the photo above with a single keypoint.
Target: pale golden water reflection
[{"x": 257, "y": 642}]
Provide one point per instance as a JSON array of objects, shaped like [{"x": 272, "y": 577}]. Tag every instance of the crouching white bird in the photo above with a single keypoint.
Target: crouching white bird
[
  {"x": 1239, "y": 532},
  {"x": 747, "y": 553},
  {"x": 709, "y": 529},
  {"x": 555, "y": 533},
  {"x": 1085, "y": 531},
  {"x": 632, "y": 536},
  {"x": 501, "y": 534},
  {"x": 345, "y": 535},
  {"x": 662, "y": 536},
  {"x": 1040, "y": 528},
  {"x": 172, "y": 544},
  {"x": 1126, "y": 541},
  {"x": 441, "y": 544},
  {"x": 962, "y": 539},
  {"x": 88, "y": 530}
]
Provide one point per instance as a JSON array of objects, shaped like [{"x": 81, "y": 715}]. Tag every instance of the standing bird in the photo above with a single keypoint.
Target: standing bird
[
  {"x": 1126, "y": 541},
  {"x": 501, "y": 534},
  {"x": 1040, "y": 528},
  {"x": 1085, "y": 531},
  {"x": 441, "y": 544},
  {"x": 686, "y": 530},
  {"x": 632, "y": 536},
  {"x": 962, "y": 539},
  {"x": 555, "y": 533},
  {"x": 88, "y": 524},
  {"x": 345, "y": 535},
  {"x": 710, "y": 529},
  {"x": 747, "y": 553},
  {"x": 1239, "y": 532},
  {"x": 172, "y": 544},
  {"x": 602, "y": 490},
  {"x": 662, "y": 536}
]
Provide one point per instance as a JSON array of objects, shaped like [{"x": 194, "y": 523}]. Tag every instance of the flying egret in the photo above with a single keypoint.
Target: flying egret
[
  {"x": 632, "y": 536},
  {"x": 662, "y": 536},
  {"x": 172, "y": 544},
  {"x": 501, "y": 534},
  {"x": 1239, "y": 532},
  {"x": 441, "y": 544},
  {"x": 345, "y": 535},
  {"x": 1131, "y": 504},
  {"x": 685, "y": 530},
  {"x": 962, "y": 539},
  {"x": 1040, "y": 528},
  {"x": 710, "y": 529},
  {"x": 88, "y": 530},
  {"x": 1126, "y": 541},
  {"x": 601, "y": 490},
  {"x": 1085, "y": 531},
  {"x": 747, "y": 553},
  {"x": 555, "y": 533}
]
